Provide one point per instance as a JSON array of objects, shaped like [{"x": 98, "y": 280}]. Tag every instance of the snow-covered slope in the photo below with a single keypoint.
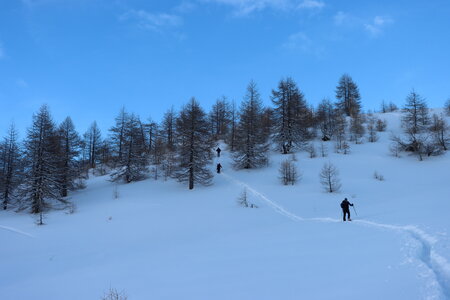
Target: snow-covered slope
[{"x": 158, "y": 240}]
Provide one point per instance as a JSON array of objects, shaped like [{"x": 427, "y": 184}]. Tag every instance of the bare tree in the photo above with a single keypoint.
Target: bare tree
[
  {"x": 220, "y": 118},
  {"x": 323, "y": 150},
  {"x": 311, "y": 149},
  {"x": 288, "y": 172},
  {"x": 326, "y": 119},
  {"x": 329, "y": 178},
  {"x": 134, "y": 161},
  {"x": 447, "y": 107},
  {"x": 371, "y": 129},
  {"x": 168, "y": 128},
  {"x": 114, "y": 294},
  {"x": 93, "y": 141},
  {"x": 381, "y": 125},
  {"x": 357, "y": 130},
  {"x": 439, "y": 130}
]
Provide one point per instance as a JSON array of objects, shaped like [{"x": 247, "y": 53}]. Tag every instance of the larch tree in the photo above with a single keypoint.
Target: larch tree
[
  {"x": 69, "y": 150},
  {"x": 220, "y": 118},
  {"x": 194, "y": 146},
  {"x": 329, "y": 178},
  {"x": 10, "y": 167},
  {"x": 290, "y": 116},
  {"x": 93, "y": 142},
  {"x": 117, "y": 134},
  {"x": 326, "y": 115},
  {"x": 42, "y": 184},
  {"x": 134, "y": 160},
  {"x": 251, "y": 144},
  {"x": 168, "y": 128},
  {"x": 348, "y": 96}
]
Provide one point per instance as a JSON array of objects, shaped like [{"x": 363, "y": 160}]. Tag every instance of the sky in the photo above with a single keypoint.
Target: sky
[{"x": 88, "y": 58}]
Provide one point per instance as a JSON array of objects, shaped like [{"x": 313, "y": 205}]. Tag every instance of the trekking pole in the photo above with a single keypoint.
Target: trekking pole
[{"x": 354, "y": 210}]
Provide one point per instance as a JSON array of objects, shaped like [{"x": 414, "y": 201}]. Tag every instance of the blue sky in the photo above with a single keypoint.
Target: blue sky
[{"x": 88, "y": 58}]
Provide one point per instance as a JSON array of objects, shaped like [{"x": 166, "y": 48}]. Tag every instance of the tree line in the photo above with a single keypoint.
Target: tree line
[{"x": 39, "y": 172}]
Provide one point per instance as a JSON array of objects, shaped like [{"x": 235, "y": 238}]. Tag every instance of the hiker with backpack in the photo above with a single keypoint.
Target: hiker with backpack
[{"x": 345, "y": 205}]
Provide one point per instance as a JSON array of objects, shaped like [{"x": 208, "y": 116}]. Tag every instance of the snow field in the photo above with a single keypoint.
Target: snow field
[{"x": 160, "y": 241}]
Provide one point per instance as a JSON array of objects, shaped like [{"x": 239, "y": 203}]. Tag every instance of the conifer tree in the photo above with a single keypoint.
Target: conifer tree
[
  {"x": 69, "y": 150},
  {"x": 93, "y": 142},
  {"x": 194, "y": 146},
  {"x": 290, "y": 115},
  {"x": 118, "y": 132},
  {"x": 347, "y": 94},
  {"x": 42, "y": 184},
  {"x": 134, "y": 161},
  {"x": 168, "y": 128},
  {"x": 10, "y": 167},
  {"x": 251, "y": 144},
  {"x": 220, "y": 118}
]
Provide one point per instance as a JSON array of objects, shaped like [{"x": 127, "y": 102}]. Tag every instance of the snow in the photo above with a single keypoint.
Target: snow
[{"x": 158, "y": 240}]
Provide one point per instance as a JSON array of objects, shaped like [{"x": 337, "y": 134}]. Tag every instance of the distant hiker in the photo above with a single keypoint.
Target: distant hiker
[
  {"x": 219, "y": 167},
  {"x": 218, "y": 151},
  {"x": 345, "y": 205}
]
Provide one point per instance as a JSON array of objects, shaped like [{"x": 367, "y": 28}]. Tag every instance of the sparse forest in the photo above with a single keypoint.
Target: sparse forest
[{"x": 39, "y": 173}]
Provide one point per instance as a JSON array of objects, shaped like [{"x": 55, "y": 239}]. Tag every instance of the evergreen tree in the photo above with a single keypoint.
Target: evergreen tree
[
  {"x": 347, "y": 93},
  {"x": 194, "y": 145},
  {"x": 251, "y": 144},
  {"x": 69, "y": 150},
  {"x": 42, "y": 183},
  {"x": 10, "y": 167},
  {"x": 290, "y": 115},
  {"x": 134, "y": 161}
]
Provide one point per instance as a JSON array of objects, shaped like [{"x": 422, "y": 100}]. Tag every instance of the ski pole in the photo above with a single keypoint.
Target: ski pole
[{"x": 354, "y": 210}]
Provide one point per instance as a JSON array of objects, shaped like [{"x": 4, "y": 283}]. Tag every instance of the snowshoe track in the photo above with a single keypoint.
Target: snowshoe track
[{"x": 437, "y": 264}]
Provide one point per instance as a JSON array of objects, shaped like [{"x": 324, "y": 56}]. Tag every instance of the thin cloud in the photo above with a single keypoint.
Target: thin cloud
[
  {"x": 377, "y": 25},
  {"x": 340, "y": 18},
  {"x": 22, "y": 83},
  {"x": 311, "y": 4},
  {"x": 246, "y": 7},
  {"x": 185, "y": 7},
  {"x": 302, "y": 42},
  {"x": 152, "y": 21}
]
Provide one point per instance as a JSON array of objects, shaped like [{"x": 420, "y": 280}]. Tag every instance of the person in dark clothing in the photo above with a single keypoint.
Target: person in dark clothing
[
  {"x": 345, "y": 205},
  {"x": 218, "y": 151},
  {"x": 219, "y": 167}
]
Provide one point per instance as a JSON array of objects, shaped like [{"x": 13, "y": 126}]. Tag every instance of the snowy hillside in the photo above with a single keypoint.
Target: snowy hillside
[{"x": 158, "y": 240}]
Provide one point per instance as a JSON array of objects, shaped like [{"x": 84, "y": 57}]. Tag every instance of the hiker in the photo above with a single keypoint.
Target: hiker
[
  {"x": 219, "y": 167},
  {"x": 345, "y": 205},
  {"x": 218, "y": 151}
]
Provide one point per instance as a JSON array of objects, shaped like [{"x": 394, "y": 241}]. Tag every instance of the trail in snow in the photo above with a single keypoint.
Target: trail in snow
[
  {"x": 437, "y": 264},
  {"x": 16, "y": 231}
]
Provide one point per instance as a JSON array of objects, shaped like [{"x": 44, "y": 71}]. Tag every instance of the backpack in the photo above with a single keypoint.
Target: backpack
[{"x": 342, "y": 204}]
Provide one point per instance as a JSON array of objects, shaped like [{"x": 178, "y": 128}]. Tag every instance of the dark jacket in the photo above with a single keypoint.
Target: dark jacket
[{"x": 345, "y": 205}]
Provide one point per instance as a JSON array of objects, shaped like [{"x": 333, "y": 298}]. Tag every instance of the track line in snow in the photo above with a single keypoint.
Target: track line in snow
[
  {"x": 16, "y": 231},
  {"x": 436, "y": 263}
]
